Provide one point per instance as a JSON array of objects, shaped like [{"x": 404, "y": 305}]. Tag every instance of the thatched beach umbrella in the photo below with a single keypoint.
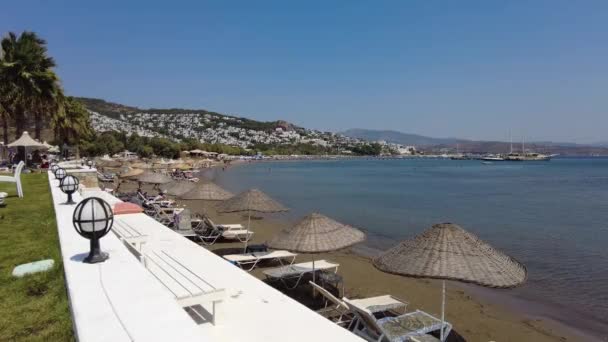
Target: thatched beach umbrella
[
  {"x": 141, "y": 165},
  {"x": 154, "y": 178},
  {"x": 317, "y": 233},
  {"x": 177, "y": 188},
  {"x": 207, "y": 191},
  {"x": 131, "y": 172},
  {"x": 251, "y": 200},
  {"x": 446, "y": 251}
]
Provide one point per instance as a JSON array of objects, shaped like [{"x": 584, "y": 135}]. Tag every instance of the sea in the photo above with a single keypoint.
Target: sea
[{"x": 552, "y": 216}]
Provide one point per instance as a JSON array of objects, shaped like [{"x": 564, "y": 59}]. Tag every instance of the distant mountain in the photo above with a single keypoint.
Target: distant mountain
[
  {"x": 439, "y": 145},
  {"x": 400, "y": 137}
]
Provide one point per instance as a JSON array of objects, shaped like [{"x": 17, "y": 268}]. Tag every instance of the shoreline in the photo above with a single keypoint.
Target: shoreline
[
  {"x": 531, "y": 311},
  {"x": 477, "y": 316}
]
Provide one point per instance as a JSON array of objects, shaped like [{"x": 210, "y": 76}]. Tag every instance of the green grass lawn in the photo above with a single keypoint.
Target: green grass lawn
[{"x": 35, "y": 307}]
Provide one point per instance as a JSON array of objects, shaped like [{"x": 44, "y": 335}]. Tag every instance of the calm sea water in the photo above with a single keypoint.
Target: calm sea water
[{"x": 552, "y": 216}]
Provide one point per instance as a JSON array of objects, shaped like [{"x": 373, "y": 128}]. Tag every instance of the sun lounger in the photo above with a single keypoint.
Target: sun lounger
[
  {"x": 295, "y": 272},
  {"x": 377, "y": 304},
  {"x": 415, "y": 324},
  {"x": 102, "y": 177},
  {"x": 164, "y": 215},
  {"x": 149, "y": 201},
  {"x": 229, "y": 231},
  {"x": 248, "y": 261},
  {"x": 182, "y": 223}
]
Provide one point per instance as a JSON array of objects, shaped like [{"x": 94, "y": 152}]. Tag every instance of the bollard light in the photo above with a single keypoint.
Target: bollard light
[
  {"x": 60, "y": 173},
  {"x": 69, "y": 185},
  {"x": 93, "y": 219},
  {"x": 54, "y": 168}
]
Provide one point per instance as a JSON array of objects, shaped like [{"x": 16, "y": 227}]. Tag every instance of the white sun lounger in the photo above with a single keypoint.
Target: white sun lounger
[
  {"x": 406, "y": 327},
  {"x": 375, "y": 304},
  {"x": 248, "y": 261},
  {"x": 230, "y": 231},
  {"x": 295, "y": 272}
]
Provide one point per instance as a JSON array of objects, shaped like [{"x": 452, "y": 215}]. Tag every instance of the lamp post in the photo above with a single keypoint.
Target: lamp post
[
  {"x": 69, "y": 185},
  {"x": 60, "y": 174},
  {"x": 93, "y": 219},
  {"x": 90, "y": 164}
]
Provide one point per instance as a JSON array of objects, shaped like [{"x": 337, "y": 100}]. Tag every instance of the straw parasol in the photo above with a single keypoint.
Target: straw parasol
[
  {"x": 177, "y": 188},
  {"x": 131, "y": 172},
  {"x": 182, "y": 166},
  {"x": 154, "y": 178},
  {"x": 317, "y": 233},
  {"x": 446, "y": 251},
  {"x": 251, "y": 200},
  {"x": 141, "y": 165},
  {"x": 207, "y": 191}
]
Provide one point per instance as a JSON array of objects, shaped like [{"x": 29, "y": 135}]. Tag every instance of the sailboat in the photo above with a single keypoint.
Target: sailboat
[{"x": 526, "y": 156}]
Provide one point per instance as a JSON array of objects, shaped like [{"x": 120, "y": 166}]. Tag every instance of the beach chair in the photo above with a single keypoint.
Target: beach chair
[
  {"x": 15, "y": 178},
  {"x": 230, "y": 231},
  {"x": 182, "y": 223},
  {"x": 164, "y": 215},
  {"x": 102, "y": 177},
  {"x": 295, "y": 272},
  {"x": 412, "y": 325},
  {"x": 249, "y": 261},
  {"x": 376, "y": 305},
  {"x": 338, "y": 312},
  {"x": 208, "y": 235},
  {"x": 152, "y": 200}
]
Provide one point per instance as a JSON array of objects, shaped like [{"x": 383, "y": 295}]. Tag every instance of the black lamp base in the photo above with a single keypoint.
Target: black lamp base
[
  {"x": 96, "y": 258},
  {"x": 95, "y": 255},
  {"x": 70, "y": 200}
]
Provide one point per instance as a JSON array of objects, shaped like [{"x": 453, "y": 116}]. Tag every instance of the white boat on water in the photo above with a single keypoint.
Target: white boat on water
[
  {"x": 528, "y": 156},
  {"x": 492, "y": 158}
]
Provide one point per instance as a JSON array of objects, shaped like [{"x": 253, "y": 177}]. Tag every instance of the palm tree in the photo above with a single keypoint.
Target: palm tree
[
  {"x": 27, "y": 77},
  {"x": 71, "y": 122}
]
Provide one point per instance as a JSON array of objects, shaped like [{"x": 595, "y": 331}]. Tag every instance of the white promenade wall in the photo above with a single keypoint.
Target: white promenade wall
[{"x": 120, "y": 300}]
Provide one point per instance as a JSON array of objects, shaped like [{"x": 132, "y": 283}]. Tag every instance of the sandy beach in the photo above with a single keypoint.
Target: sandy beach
[{"x": 473, "y": 318}]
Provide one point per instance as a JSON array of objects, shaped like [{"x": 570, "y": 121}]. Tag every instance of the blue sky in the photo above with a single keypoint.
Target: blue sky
[{"x": 469, "y": 69}]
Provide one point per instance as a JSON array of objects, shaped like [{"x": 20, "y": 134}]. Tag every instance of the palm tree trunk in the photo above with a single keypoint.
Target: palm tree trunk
[
  {"x": 38, "y": 124},
  {"x": 19, "y": 120},
  {"x": 5, "y": 129}
]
